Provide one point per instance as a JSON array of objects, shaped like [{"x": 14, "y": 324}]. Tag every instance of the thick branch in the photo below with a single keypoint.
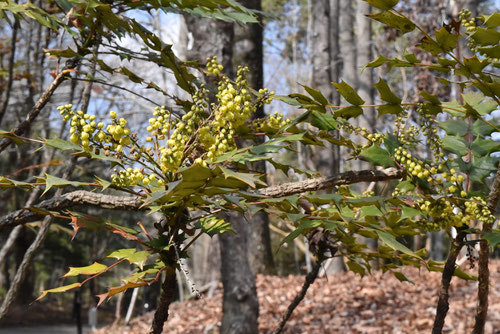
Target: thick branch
[
  {"x": 79, "y": 197},
  {"x": 310, "y": 278},
  {"x": 484, "y": 272},
  {"x": 321, "y": 183},
  {"x": 449, "y": 269},
  {"x": 82, "y": 197}
]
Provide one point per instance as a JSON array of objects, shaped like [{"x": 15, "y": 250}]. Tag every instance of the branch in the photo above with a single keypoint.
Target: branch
[
  {"x": 310, "y": 278},
  {"x": 81, "y": 197},
  {"x": 42, "y": 101},
  {"x": 484, "y": 251},
  {"x": 321, "y": 183}
]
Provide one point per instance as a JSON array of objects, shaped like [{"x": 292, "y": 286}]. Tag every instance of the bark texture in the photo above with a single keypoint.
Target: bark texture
[
  {"x": 484, "y": 252},
  {"x": 240, "y": 305},
  {"x": 88, "y": 198},
  {"x": 248, "y": 51}
]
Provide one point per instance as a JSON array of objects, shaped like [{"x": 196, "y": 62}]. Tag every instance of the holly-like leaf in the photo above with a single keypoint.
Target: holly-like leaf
[
  {"x": 485, "y": 36},
  {"x": 61, "y": 144},
  {"x": 355, "y": 268},
  {"x": 401, "y": 277},
  {"x": 317, "y": 95},
  {"x": 88, "y": 270},
  {"x": 455, "y": 145},
  {"x": 249, "y": 179},
  {"x": 447, "y": 40},
  {"x": 54, "y": 181},
  {"x": 390, "y": 241},
  {"x": 213, "y": 226},
  {"x": 481, "y": 147},
  {"x": 349, "y": 112},
  {"x": 323, "y": 121},
  {"x": 348, "y": 93},
  {"x": 378, "y": 156},
  {"x": 385, "y": 92},
  {"x": 60, "y": 289},
  {"x": 492, "y": 21},
  {"x": 454, "y": 127},
  {"x": 493, "y": 238},
  {"x": 393, "y": 20},
  {"x": 383, "y": 4}
]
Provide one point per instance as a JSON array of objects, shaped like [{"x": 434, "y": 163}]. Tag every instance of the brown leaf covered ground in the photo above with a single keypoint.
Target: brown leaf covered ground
[{"x": 345, "y": 303}]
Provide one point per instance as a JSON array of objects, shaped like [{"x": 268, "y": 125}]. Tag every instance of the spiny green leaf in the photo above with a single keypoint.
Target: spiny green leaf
[
  {"x": 383, "y": 4},
  {"x": 61, "y": 144},
  {"x": 385, "y": 92},
  {"x": 51, "y": 181},
  {"x": 213, "y": 226},
  {"x": 409, "y": 212},
  {"x": 323, "y": 121},
  {"x": 492, "y": 21},
  {"x": 249, "y": 179},
  {"x": 493, "y": 238},
  {"x": 349, "y": 112},
  {"x": 455, "y": 145},
  {"x": 481, "y": 147},
  {"x": 317, "y": 95},
  {"x": 59, "y": 289},
  {"x": 454, "y": 127},
  {"x": 88, "y": 270},
  {"x": 486, "y": 36},
  {"x": 378, "y": 156},
  {"x": 447, "y": 40},
  {"x": 356, "y": 268},
  {"x": 348, "y": 93},
  {"x": 395, "y": 21},
  {"x": 401, "y": 277},
  {"x": 390, "y": 241}
]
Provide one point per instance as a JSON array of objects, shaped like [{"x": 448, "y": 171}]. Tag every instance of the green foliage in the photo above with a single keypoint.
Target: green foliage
[{"x": 193, "y": 160}]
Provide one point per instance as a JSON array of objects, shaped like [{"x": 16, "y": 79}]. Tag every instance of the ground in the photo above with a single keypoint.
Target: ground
[{"x": 345, "y": 303}]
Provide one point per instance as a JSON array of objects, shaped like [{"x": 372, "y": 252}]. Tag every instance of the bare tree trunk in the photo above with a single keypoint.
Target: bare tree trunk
[
  {"x": 248, "y": 51},
  {"x": 326, "y": 70},
  {"x": 240, "y": 303},
  {"x": 240, "y": 306}
]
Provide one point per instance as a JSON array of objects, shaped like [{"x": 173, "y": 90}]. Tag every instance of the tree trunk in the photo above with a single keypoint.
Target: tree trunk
[
  {"x": 326, "y": 70},
  {"x": 240, "y": 305},
  {"x": 248, "y": 51}
]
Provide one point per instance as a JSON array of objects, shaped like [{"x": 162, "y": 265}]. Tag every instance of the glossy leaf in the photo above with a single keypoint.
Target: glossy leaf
[
  {"x": 378, "y": 156},
  {"x": 348, "y": 93},
  {"x": 88, "y": 270},
  {"x": 393, "y": 20}
]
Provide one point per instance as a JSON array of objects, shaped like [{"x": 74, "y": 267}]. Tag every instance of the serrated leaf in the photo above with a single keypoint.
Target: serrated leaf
[
  {"x": 213, "y": 226},
  {"x": 485, "y": 36},
  {"x": 455, "y": 145},
  {"x": 490, "y": 51},
  {"x": 383, "y": 4},
  {"x": 476, "y": 65},
  {"x": 405, "y": 186},
  {"x": 54, "y": 181},
  {"x": 401, "y": 277},
  {"x": 430, "y": 46},
  {"x": 493, "y": 238},
  {"x": 378, "y": 156},
  {"x": 393, "y": 109},
  {"x": 323, "y": 121},
  {"x": 390, "y": 241},
  {"x": 349, "y": 112},
  {"x": 447, "y": 40},
  {"x": 481, "y": 147},
  {"x": 395, "y": 21},
  {"x": 88, "y": 270},
  {"x": 409, "y": 212},
  {"x": 122, "y": 253},
  {"x": 247, "y": 178},
  {"x": 492, "y": 21},
  {"x": 317, "y": 95},
  {"x": 348, "y": 93},
  {"x": 61, "y": 144},
  {"x": 355, "y": 268},
  {"x": 454, "y": 127},
  {"x": 371, "y": 210},
  {"x": 385, "y": 92},
  {"x": 59, "y": 289},
  {"x": 480, "y": 128}
]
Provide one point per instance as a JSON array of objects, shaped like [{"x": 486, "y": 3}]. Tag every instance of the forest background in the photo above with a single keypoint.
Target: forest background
[{"x": 303, "y": 43}]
